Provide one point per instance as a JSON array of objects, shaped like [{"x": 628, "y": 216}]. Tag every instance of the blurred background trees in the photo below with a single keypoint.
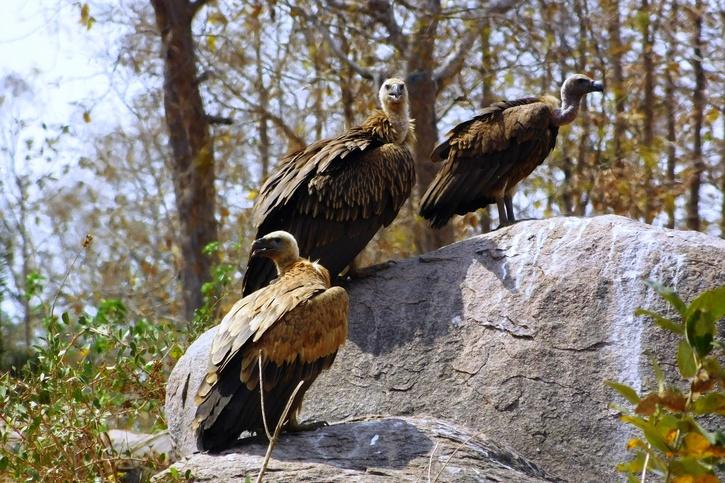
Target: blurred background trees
[{"x": 205, "y": 97}]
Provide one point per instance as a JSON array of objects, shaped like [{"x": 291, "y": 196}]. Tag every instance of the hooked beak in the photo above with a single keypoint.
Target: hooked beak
[
  {"x": 396, "y": 92},
  {"x": 260, "y": 247},
  {"x": 597, "y": 86}
]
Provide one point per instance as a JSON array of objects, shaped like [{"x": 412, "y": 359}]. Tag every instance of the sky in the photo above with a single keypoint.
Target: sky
[{"x": 44, "y": 43}]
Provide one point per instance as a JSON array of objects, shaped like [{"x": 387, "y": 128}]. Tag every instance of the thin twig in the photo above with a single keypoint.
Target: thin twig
[
  {"x": 430, "y": 460},
  {"x": 86, "y": 243},
  {"x": 450, "y": 457},
  {"x": 261, "y": 397},
  {"x": 277, "y": 430},
  {"x": 644, "y": 468}
]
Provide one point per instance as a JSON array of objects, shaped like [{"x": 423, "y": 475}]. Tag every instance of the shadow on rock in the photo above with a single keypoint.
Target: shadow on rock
[{"x": 388, "y": 443}]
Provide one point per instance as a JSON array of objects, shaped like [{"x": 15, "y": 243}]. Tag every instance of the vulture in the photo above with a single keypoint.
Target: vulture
[
  {"x": 335, "y": 194},
  {"x": 295, "y": 324},
  {"x": 486, "y": 156}
]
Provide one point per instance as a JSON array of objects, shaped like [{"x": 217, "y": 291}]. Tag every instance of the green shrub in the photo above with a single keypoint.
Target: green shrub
[
  {"x": 87, "y": 375},
  {"x": 673, "y": 441}
]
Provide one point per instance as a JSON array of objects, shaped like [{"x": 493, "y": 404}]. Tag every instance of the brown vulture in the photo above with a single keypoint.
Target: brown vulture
[
  {"x": 296, "y": 323},
  {"x": 485, "y": 157},
  {"x": 335, "y": 194}
]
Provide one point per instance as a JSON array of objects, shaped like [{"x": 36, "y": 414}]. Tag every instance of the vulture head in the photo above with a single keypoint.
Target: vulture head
[
  {"x": 393, "y": 97},
  {"x": 573, "y": 90},
  {"x": 279, "y": 246}
]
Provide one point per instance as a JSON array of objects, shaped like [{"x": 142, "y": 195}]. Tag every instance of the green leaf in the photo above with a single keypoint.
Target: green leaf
[
  {"x": 711, "y": 301},
  {"x": 669, "y": 295},
  {"x": 712, "y": 438},
  {"x": 689, "y": 466},
  {"x": 702, "y": 313},
  {"x": 686, "y": 360},
  {"x": 634, "y": 465},
  {"x": 700, "y": 331},
  {"x": 626, "y": 391},
  {"x": 713, "y": 402},
  {"x": 664, "y": 322},
  {"x": 659, "y": 375},
  {"x": 650, "y": 432}
]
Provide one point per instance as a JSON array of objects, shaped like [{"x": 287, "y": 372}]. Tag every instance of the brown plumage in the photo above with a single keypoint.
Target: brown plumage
[
  {"x": 297, "y": 323},
  {"x": 335, "y": 194},
  {"x": 487, "y": 156}
]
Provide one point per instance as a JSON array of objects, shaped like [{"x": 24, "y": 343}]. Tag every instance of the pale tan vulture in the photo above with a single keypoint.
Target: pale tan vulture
[{"x": 297, "y": 323}]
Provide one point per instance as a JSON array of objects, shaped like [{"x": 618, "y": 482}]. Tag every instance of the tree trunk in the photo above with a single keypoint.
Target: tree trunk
[
  {"x": 191, "y": 146},
  {"x": 345, "y": 76},
  {"x": 488, "y": 60},
  {"x": 423, "y": 90},
  {"x": 671, "y": 125},
  {"x": 263, "y": 99},
  {"x": 698, "y": 104},
  {"x": 646, "y": 152},
  {"x": 616, "y": 86},
  {"x": 582, "y": 183}
]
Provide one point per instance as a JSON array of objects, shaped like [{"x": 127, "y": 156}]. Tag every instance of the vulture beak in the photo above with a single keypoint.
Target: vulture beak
[
  {"x": 260, "y": 247},
  {"x": 396, "y": 91},
  {"x": 597, "y": 86}
]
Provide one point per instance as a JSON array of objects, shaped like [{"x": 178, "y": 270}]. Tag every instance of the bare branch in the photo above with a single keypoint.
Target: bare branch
[
  {"x": 278, "y": 429},
  {"x": 334, "y": 46},
  {"x": 382, "y": 11},
  {"x": 228, "y": 121},
  {"x": 295, "y": 140},
  {"x": 454, "y": 63}
]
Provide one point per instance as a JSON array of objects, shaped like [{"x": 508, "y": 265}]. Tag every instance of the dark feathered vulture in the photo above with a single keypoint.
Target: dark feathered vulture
[
  {"x": 297, "y": 323},
  {"x": 335, "y": 194},
  {"x": 486, "y": 157}
]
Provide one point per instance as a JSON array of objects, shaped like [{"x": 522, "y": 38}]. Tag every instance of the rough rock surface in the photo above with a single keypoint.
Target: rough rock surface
[
  {"x": 509, "y": 333},
  {"x": 376, "y": 449}
]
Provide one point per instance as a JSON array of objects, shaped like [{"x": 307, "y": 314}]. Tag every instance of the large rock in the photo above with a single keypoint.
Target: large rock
[
  {"x": 370, "y": 450},
  {"x": 509, "y": 333}
]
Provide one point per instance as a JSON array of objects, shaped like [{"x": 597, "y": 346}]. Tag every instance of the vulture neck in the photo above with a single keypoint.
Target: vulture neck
[
  {"x": 568, "y": 110},
  {"x": 398, "y": 117},
  {"x": 285, "y": 262}
]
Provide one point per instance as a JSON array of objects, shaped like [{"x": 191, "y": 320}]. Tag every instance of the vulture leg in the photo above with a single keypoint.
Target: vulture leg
[
  {"x": 502, "y": 218},
  {"x": 508, "y": 201}
]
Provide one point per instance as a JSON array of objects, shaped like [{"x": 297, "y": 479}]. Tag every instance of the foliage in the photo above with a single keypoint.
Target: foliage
[
  {"x": 674, "y": 442},
  {"x": 100, "y": 370},
  {"x": 87, "y": 375}
]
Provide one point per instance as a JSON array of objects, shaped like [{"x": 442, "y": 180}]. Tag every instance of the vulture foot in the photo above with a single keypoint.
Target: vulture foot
[
  {"x": 355, "y": 273},
  {"x": 295, "y": 427}
]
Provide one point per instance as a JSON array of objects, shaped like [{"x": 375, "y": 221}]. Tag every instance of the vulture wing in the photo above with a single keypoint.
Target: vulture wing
[
  {"x": 297, "y": 325},
  {"x": 332, "y": 197},
  {"x": 487, "y": 156}
]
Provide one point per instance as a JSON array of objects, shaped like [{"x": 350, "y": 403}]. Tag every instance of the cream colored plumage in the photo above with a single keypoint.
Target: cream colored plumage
[{"x": 297, "y": 323}]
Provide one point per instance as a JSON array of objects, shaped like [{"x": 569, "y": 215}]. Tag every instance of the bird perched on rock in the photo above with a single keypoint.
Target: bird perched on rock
[
  {"x": 295, "y": 324},
  {"x": 335, "y": 194},
  {"x": 486, "y": 157}
]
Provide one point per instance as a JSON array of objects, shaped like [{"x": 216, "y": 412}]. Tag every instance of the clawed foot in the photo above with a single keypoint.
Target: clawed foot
[
  {"x": 295, "y": 427},
  {"x": 358, "y": 273}
]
